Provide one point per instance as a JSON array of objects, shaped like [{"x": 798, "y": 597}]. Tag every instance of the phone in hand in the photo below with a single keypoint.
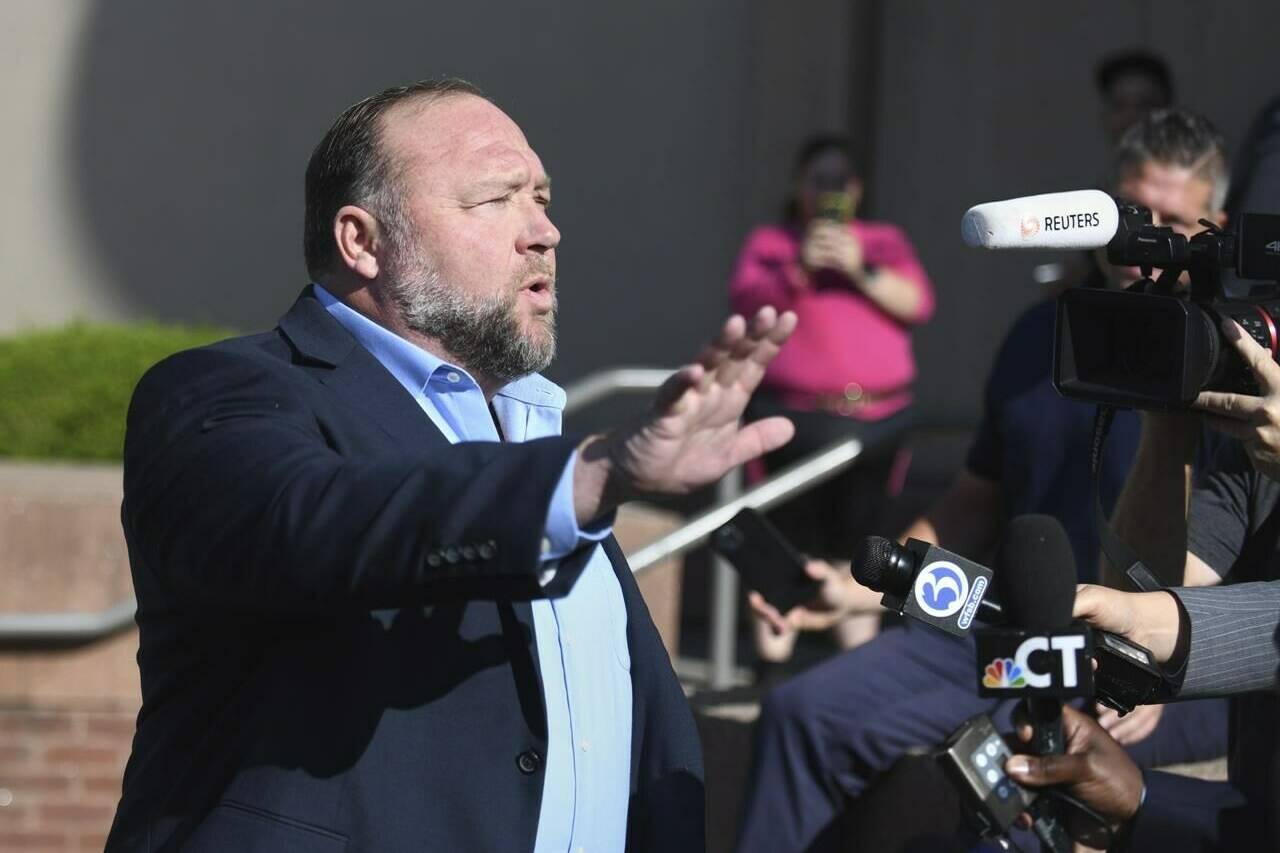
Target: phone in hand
[{"x": 767, "y": 562}]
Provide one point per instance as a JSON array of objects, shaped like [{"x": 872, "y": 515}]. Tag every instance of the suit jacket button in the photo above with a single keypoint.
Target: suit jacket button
[{"x": 528, "y": 762}]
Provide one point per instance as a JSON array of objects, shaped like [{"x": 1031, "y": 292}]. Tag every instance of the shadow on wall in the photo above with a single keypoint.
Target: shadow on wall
[{"x": 193, "y": 124}]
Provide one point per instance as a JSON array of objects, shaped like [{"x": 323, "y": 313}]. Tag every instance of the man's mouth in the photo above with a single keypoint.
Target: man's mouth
[{"x": 541, "y": 293}]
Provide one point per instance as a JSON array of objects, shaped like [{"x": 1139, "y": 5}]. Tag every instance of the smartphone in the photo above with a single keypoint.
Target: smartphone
[
  {"x": 974, "y": 758},
  {"x": 835, "y": 206},
  {"x": 767, "y": 562}
]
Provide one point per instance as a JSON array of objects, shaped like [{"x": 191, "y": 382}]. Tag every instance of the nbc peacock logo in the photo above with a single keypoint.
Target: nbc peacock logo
[{"x": 1003, "y": 672}]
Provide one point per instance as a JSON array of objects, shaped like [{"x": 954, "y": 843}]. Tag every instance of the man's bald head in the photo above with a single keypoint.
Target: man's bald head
[{"x": 351, "y": 165}]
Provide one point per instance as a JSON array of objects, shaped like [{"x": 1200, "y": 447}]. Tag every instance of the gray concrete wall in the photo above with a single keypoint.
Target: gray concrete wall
[
  {"x": 981, "y": 101},
  {"x": 161, "y": 148},
  {"x": 154, "y": 153}
]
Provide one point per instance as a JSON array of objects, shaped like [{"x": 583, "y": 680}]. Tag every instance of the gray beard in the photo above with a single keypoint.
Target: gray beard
[{"x": 482, "y": 333}]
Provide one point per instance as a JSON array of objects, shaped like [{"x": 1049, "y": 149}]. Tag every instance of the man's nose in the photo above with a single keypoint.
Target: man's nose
[{"x": 540, "y": 234}]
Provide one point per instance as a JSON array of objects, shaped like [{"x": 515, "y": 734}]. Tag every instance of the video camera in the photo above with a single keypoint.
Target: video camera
[{"x": 1153, "y": 345}]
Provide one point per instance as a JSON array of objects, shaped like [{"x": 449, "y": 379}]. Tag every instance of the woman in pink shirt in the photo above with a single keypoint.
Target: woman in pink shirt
[{"x": 858, "y": 290}]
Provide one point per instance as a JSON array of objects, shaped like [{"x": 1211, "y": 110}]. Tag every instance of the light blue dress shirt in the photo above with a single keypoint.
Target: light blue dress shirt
[{"x": 582, "y": 637}]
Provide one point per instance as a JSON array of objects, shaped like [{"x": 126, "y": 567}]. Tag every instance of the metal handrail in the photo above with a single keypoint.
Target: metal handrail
[
  {"x": 805, "y": 474},
  {"x": 597, "y": 386},
  {"x": 79, "y": 628},
  {"x": 71, "y": 629},
  {"x": 66, "y": 629}
]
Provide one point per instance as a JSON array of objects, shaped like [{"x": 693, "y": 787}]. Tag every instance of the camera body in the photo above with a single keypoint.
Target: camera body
[{"x": 1155, "y": 345}]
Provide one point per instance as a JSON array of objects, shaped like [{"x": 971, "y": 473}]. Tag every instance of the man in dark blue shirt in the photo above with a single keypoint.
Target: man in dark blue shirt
[{"x": 825, "y": 735}]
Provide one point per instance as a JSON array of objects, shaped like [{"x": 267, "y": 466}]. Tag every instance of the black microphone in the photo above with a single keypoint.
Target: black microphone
[
  {"x": 1037, "y": 577},
  {"x": 926, "y": 582},
  {"x": 1126, "y": 675}
]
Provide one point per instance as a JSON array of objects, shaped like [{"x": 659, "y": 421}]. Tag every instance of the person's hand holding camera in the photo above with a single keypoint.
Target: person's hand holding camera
[
  {"x": 831, "y": 245},
  {"x": 1255, "y": 421},
  {"x": 1094, "y": 769}
]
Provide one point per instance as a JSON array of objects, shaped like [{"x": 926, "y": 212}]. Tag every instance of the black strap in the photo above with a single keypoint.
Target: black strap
[{"x": 1142, "y": 578}]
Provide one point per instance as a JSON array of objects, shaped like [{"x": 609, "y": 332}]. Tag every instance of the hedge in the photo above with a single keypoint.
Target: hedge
[{"x": 64, "y": 392}]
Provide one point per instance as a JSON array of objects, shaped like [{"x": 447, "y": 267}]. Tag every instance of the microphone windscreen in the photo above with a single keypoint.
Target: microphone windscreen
[
  {"x": 872, "y": 559},
  {"x": 1036, "y": 570},
  {"x": 1079, "y": 219}
]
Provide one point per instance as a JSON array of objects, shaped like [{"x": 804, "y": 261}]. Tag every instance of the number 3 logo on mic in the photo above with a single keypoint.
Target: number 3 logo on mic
[{"x": 941, "y": 589}]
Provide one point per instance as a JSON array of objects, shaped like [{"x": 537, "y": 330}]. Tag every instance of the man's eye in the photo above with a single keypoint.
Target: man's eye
[
  {"x": 545, "y": 202},
  {"x": 502, "y": 199}
]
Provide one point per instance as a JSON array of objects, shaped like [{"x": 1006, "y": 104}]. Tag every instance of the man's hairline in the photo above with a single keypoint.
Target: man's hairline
[
  {"x": 1200, "y": 170},
  {"x": 395, "y": 168}
]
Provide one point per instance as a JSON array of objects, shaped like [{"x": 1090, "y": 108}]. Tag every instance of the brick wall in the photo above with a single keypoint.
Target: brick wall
[
  {"x": 60, "y": 775},
  {"x": 67, "y": 715}
]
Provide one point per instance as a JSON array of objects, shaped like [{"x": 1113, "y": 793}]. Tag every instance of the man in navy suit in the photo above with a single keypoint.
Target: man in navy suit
[{"x": 379, "y": 605}]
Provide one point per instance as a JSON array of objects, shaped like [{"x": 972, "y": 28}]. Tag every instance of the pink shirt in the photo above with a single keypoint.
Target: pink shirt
[{"x": 842, "y": 336}]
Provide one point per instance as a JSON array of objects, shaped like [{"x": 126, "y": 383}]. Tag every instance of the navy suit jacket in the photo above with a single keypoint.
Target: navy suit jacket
[{"x": 336, "y": 642}]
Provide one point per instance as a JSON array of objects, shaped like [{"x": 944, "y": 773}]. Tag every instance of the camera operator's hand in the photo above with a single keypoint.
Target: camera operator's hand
[
  {"x": 830, "y": 245},
  {"x": 839, "y": 595},
  {"x": 1255, "y": 421},
  {"x": 1094, "y": 769},
  {"x": 1134, "y": 726},
  {"x": 1149, "y": 619}
]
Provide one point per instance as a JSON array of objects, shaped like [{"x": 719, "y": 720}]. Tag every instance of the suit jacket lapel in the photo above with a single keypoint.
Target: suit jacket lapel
[{"x": 357, "y": 378}]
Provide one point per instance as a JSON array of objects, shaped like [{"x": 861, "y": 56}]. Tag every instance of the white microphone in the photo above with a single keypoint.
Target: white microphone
[{"x": 1080, "y": 219}]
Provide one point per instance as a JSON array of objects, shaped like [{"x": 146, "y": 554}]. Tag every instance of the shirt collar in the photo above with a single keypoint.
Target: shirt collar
[{"x": 413, "y": 366}]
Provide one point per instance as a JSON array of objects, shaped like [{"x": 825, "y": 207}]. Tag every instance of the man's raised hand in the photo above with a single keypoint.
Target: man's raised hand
[{"x": 693, "y": 435}]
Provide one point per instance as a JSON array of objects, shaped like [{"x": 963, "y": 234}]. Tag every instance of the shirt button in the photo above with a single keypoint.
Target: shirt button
[
  {"x": 586, "y": 744},
  {"x": 528, "y": 762},
  {"x": 546, "y": 545},
  {"x": 453, "y": 377}
]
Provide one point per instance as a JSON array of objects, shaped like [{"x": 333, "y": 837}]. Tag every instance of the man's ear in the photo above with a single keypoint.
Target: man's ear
[{"x": 359, "y": 240}]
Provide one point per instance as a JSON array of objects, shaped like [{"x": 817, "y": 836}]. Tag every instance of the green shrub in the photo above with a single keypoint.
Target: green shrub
[{"x": 64, "y": 392}]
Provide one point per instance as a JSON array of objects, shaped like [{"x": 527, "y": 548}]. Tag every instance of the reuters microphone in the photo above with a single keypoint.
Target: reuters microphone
[{"x": 1079, "y": 219}]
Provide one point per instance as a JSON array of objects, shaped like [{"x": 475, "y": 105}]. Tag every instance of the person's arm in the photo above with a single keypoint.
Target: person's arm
[
  {"x": 1150, "y": 515},
  {"x": 967, "y": 519},
  {"x": 897, "y": 285},
  {"x": 235, "y": 498},
  {"x": 766, "y": 273},
  {"x": 1093, "y": 768},
  {"x": 1232, "y": 645},
  {"x": 1226, "y": 644},
  {"x": 898, "y": 268},
  {"x": 898, "y": 296},
  {"x": 1156, "y": 812}
]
